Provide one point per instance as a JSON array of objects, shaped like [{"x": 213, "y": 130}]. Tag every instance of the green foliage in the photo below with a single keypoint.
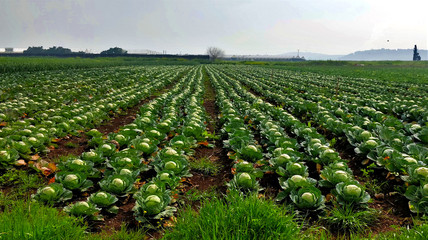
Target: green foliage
[
  {"x": 114, "y": 51},
  {"x": 29, "y": 220},
  {"x": 21, "y": 182},
  {"x": 71, "y": 145},
  {"x": 351, "y": 193},
  {"x": 251, "y": 152},
  {"x": 8, "y": 158},
  {"x": 418, "y": 232},
  {"x": 372, "y": 185},
  {"x": 397, "y": 71},
  {"x": 332, "y": 176},
  {"x": 293, "y": 183},
  {"x": 199, "y": 195},
  {"x": 74, "y": 180},
  {"x": 16, "y": 64},
  {"x": 102, "y": 199},
  {"x": 345, "y": 219},
  {"x": 52, "y": 193},
  {"x": 78, "y": 166},
  {"x": 120, "y": 185},
  {"x": 308, "y": 198},
  {"x": 127, "y": 158},
  {"x": 244, "y": 181},
  {"x": 418, "y": 196},
  {"x": 84, "y": 209},
  {"x": 205, "y": 165},
  {"x": 20, "y": 178},
  {"x": 179, "y": 165},
  {"x": 235, "y": 217},
  {"x": 152, "y": 204}
]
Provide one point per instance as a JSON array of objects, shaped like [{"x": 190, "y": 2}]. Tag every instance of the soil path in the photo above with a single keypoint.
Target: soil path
[{"x": 217, "y": 154}]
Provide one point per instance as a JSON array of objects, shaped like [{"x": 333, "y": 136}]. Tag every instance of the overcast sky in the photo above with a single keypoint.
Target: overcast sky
[{"x": 236, "y": 26}]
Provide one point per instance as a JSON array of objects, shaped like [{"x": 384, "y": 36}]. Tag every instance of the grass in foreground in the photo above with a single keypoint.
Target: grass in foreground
[
  {"x": 27, "y": 220},
  {"x": 122, "y": 234},
  {"x": 235, "y": 217}
]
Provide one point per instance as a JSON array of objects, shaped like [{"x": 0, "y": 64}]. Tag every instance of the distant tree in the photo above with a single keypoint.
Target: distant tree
[
  {"x": 114, "y": 51},
  {"x": 58, "y": 51},
  {"x": 34, "y": 50},
  {"x": 215, "y": 53},
  {"x": 416, "y": 56},
  {"x": 51, "y": 51}
]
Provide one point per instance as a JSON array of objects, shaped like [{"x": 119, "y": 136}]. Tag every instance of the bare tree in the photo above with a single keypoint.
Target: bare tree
[{"x": 215, "y": 53}]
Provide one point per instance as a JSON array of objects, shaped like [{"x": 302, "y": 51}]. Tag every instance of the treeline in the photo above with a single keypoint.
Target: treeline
[
  {"x": 61, "y": 51},
  {"x": 112, "y": 52},
  {"x": 50, "y": 51}
]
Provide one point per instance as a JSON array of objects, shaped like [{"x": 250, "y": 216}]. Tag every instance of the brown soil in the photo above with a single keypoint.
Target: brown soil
[
  {"x": 389, "y": 214},
  {"x": 64, "y": 148},
  {"x": 114, "y": 222},
  {"x": 203, "y": 182},
  {"x": 115, "y": 123},
  {"x": 217, "y": 154}
]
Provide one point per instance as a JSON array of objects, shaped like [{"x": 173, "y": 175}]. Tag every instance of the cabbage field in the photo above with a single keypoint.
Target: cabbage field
[{"x": 144, "y": 152}]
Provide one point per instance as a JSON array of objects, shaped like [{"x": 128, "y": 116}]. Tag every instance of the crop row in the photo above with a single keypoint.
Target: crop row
[
  {"x": 384, "y": 99},
  {"x": 283, "y": 155},
  {"x": 160, "y": 139},
  {"x": 20, "y": 138},
  {"x": 384, "y": 144}
]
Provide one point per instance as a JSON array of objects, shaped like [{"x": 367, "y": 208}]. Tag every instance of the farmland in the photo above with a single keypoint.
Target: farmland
[{"x": 121, "y": 149}]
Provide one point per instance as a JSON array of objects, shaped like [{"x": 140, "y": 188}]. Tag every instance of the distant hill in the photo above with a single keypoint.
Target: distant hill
[
  {"x": 312, "y": 56},
  {"x": 384, "y": 54}
]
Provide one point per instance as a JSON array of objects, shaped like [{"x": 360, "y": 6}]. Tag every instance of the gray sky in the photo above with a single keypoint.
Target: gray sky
[{"x": 236, "y": 26}]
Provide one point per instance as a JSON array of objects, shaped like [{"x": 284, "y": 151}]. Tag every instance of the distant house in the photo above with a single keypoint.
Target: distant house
[{"x": 8, "y": 50}]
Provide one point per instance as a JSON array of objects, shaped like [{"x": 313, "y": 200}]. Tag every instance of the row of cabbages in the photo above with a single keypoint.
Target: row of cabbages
[
  {"x": 392, "y": 97},
  {"x": 156, "y": 140},
  {"x": 369, "y": 139},
  {"x": 28, "y": 136},
  {"x": 311, "y": 101},
  {"x": 31, "y": 94},
  {"x": 283, "y": 153},
  {"x": 379, "y": 141}
]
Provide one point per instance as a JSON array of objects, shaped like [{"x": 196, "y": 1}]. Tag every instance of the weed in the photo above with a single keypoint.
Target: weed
[
  {"x": 372, "y": 185},
  {"x": 205, "y": 165},
  {"x": 20, "y": 182},
  {"x": 31, "y": 220},
  {"x": 349, "y": 220},
  {"x": 71, "y": 145},
  {"x": 198, "y": 195},
  {"x": 64, "y": 158}
]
